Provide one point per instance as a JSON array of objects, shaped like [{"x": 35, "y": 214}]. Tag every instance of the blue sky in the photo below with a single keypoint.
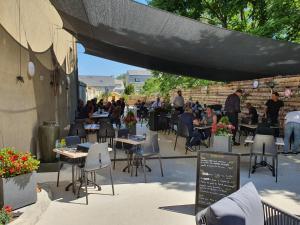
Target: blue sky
[{"x": 91, "y": 65}]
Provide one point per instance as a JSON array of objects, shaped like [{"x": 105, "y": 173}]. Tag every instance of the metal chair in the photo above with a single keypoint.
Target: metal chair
[
  {"x": 173, "y": 121},
  {"x": 264, "y": 146},
  {"x": 182, "y": 131},
  {"x": 105, "y": 132},
  {"x": 148, "y": 149},
  {"x": 71, "y": 141},
  {"x": 122, "y": 133},
  {"x": 77, "y": 129},
  {"x": 97, "y": 158}
]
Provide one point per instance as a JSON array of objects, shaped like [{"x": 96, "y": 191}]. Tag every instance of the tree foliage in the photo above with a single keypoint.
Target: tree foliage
[
  {"x": 277, "y": 19},
  {"x": 129, "y": 89}
]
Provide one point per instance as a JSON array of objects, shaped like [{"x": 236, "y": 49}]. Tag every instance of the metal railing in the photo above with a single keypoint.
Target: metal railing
[{"x": 272, "y": 216}]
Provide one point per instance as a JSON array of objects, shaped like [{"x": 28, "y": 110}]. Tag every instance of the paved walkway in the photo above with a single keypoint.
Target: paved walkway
[{"x": 164, "y": 200}]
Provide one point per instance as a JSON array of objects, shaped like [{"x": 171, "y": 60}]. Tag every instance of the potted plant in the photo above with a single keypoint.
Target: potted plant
[
  {"x": 223, "y": 135},
  {"x": 17, "y": 178},
  {"x": 5, "y": 215},
  {"x": 130, "y": 122}
]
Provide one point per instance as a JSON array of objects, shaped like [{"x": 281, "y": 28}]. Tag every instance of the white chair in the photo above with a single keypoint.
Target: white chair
[{"x": 97, "y": 158}]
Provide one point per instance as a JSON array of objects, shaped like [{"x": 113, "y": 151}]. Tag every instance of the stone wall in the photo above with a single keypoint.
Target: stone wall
[
  {"x": 24, "y": 106},
  {"x": 216, "y": 94}
]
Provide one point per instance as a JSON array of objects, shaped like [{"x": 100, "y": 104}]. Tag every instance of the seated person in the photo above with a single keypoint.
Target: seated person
[
  {"x": 189, "y": 120},
  {"x": 209, "y": 119},
  {"x": 252, "y": 113},
  {"x": 116, "y": 113}
]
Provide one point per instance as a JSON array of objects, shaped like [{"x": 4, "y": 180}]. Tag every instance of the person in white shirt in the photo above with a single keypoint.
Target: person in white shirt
[
  {"x": 157, "y": 103},
  {"x": 292, "y": 125},
  {"x": 179, "y": 102}
]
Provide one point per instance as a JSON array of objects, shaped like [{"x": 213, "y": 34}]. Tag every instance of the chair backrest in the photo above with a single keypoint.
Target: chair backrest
[
  {"x": 264, "y": 144},
  {"x": 154, "y": 141},
  {"x": 123, "y": 133},
  {"x": 77, "y": 129},
  {"x": 72, "y": 141},
  {"x": 151, "y": 146},
  {"x": 182, "y": 129},
  {"x": 98, "y": 157}
]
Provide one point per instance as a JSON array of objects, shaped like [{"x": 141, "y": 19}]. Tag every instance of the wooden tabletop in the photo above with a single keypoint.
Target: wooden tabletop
[
  {"x": 70, "y": 154},
  {"x": 102, "y": 115},
  {"x": 129, "y": 141},
  {"x": 251, "y": 126},
  {"x": 202, "y": 127},
  {"x": 73, "y": 154}
]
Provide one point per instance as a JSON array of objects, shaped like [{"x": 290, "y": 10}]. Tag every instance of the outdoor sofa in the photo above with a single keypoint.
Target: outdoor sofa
[{"x": 244, "y": 207}]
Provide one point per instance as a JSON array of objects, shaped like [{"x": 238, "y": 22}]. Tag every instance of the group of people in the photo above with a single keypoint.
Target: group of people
[
  {"x": 272, "y": 113},
  {"x": 115, "y": 108}
]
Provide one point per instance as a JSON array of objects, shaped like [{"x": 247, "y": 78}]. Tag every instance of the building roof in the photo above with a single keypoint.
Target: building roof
[
  {"x": 139, "y": 72},
  {"x": 98, "y": 81}
]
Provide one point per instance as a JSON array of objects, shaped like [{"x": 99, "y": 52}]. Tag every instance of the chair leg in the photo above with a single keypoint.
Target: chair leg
[
  {"x": 144, "y": 168},
  {"x": 161, "y": 169},
  {"x": 115, "y": 156},
  {"x": 175, "y": 142},
  {"x": 58, "y": 173},
  {"x": 250, "y": 166},
  {"x": 131, "y": 169},
  {"x": 276, "y": 171},
  {"x": 111, "y": 180},
  {"x": 86, "y": 184},
  {"x": 81, "y": 182}
]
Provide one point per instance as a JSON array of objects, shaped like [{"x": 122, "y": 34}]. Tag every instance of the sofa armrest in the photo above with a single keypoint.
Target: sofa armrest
[{"x": 201, "y": 218}]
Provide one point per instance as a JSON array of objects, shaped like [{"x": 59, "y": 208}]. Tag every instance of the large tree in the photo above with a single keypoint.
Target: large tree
[{"x": 277, "y": 19}]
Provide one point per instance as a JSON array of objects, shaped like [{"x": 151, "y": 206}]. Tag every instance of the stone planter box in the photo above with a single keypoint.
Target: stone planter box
[
  {"x": 222, "y": 143},
  {"x": 18, "y": 191}
]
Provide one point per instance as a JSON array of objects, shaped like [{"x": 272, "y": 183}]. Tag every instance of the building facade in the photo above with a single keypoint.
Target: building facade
[
  {"x": 137, "y": 78},
  {"x": 96, "y": 86}
]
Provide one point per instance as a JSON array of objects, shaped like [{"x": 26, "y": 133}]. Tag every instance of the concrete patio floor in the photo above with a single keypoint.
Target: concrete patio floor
[{"x": 163, "y": 200}]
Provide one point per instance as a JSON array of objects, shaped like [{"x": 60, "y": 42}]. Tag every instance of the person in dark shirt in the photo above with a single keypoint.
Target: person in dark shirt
[
  {"x": 252, "y": 113},
  {"x": 273, "y": 107},
  {"x": 189, "y": 120},
  {"x": 232, "y": 108}
]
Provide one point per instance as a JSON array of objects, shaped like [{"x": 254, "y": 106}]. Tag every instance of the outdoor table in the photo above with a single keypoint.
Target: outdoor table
[
  {"x": 251, "y": 128},
  {"x": 131, "y": 141},
  {"x": 74, "y": 154},
  {"x": 92, "y": 127},
  {"x": 97, "y": 115}
]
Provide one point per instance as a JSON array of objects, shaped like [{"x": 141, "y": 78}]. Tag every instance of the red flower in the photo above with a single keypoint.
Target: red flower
[
  {"x": 1, "y": 157},
  {"x": 11, "y": 170},
  {"x": 13, "y": 158},
  {"x": 24, "y": 158},
  {"x": 8, "y": 209}
]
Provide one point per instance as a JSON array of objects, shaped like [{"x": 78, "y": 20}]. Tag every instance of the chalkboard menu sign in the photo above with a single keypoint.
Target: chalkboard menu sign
[{"x": 218, "y": 175}]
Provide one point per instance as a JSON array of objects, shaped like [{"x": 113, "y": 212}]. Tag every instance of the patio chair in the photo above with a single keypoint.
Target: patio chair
[
  {"x": 77, "y": 129},
  {"x": 264, "y": 146},
  {"x": 182, "y": 131},
  {"x": 122, "y": 133},
  {"x": 173, "y": 122},
  {"x": 105, "y": 132},
  {"x": 71, "y": 141},
  {"x": 97, "y": 158},
  {"x": 148, "y": 149}
]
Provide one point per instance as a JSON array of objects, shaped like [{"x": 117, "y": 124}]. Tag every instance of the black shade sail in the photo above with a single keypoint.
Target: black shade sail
[{"x": 132, "y": 33}]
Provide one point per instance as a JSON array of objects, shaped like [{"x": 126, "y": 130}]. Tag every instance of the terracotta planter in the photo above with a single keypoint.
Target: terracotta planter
[
  {"x": 222, "y": 143},
  {"x": 18, "y": 191}
]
